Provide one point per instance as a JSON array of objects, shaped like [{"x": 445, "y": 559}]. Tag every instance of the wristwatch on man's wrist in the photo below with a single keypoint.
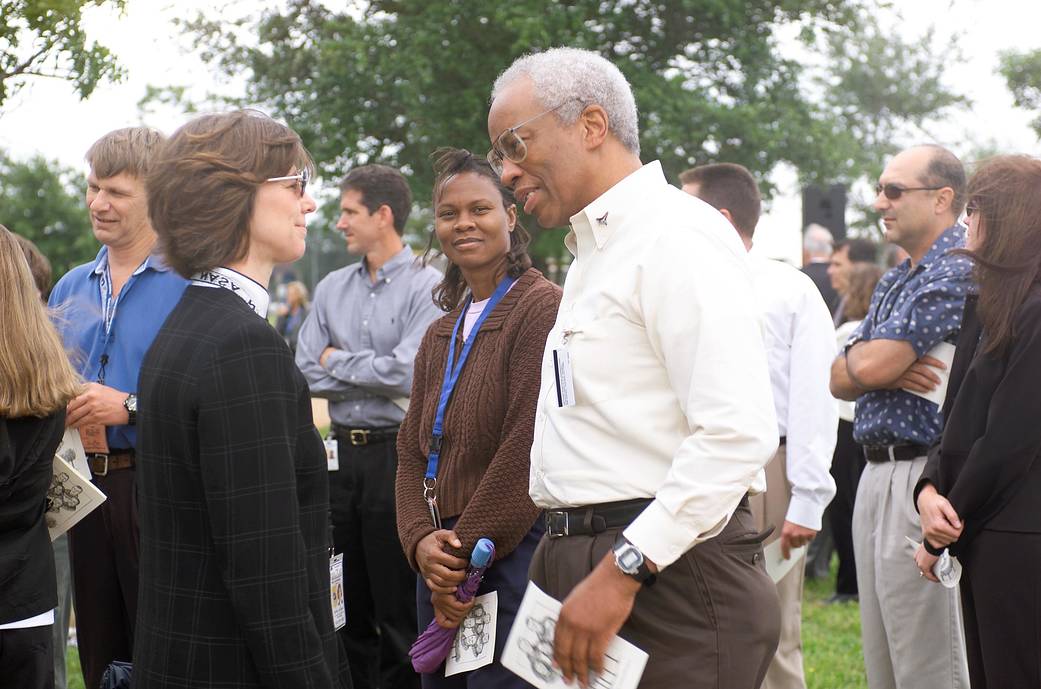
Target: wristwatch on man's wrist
[
  {"x": 130, "y": 404},
  {"x": 631, "y": 562}
]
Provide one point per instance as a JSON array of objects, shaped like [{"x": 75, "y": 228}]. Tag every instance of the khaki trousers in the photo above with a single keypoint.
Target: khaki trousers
[
  {"x": 770, "y": 509},
  {"x": 911, "y": 627},
  {"x": 709, "y": 622}
]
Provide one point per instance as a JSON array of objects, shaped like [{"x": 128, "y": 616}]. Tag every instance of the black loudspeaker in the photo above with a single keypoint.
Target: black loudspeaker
[{"x": 825, "y": 207}]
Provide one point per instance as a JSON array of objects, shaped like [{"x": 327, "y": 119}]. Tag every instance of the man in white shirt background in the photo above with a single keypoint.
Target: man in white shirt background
[
  {"x": 800, "y": 346},
  {"x": 644, "y": 456}
]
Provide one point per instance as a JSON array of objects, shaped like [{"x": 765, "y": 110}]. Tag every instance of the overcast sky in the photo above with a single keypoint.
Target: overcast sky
[{"x": 46, "y": 116}]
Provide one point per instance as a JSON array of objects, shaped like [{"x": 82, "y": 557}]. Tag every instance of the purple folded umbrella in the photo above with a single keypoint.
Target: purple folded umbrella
[{"x": 433, "y": 645}]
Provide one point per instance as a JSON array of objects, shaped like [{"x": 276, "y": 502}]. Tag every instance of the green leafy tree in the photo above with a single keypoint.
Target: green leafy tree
[
  {"x": 391, "y": 80},
  {"x": 45, "y": 38},
  {"x": 43, "y": 202},
  {"x": 1022, "y": 72}
]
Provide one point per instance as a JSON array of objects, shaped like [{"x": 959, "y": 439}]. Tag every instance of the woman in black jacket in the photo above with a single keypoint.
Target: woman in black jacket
[
  {"x": 36, "y": 382},
  {"x": 980, "y": 492},
  {"x": 232, "y": 475}
]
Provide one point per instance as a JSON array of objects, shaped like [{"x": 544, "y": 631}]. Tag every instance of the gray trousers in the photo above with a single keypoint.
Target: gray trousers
[{"x": 912, "y": 628}]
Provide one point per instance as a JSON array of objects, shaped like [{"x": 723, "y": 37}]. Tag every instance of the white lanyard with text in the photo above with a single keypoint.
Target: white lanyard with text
[
  {"x": 249, "y": 290},
  {"x": 447, "y": 386}
]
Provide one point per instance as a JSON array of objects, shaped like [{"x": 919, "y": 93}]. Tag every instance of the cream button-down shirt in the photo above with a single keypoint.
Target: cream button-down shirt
[
  {"x": 800, "y": 346},
  {"x": 672, "y": 393}
]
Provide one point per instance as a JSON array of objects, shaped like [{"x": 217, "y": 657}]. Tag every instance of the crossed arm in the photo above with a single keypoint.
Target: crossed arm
[{"x": 882, "y": 365}]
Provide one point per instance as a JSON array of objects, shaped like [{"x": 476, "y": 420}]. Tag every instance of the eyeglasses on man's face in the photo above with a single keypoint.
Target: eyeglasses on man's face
[
  {"x": 509, "y": 145},
  {"x": 301, "y": 179},
  {"x": 895, "y": 191}
]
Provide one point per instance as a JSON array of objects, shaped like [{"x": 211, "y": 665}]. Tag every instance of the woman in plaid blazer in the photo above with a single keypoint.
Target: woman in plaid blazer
[{"x": 232, "y": 485}]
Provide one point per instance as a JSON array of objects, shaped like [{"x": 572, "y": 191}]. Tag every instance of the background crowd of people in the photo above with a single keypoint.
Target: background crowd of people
[{"x": 637, "y": 443}]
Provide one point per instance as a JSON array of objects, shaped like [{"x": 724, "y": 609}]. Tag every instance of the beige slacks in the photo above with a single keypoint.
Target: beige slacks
[
  {"x": 770, "y": 508},
  {"x": 911, "y": 628}
]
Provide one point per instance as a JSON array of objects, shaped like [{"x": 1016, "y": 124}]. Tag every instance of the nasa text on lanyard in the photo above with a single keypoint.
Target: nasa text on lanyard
[{"x": 447, "y": 386}]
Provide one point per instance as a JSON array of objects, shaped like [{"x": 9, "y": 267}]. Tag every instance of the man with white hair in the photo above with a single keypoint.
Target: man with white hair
[
  {"x": 817, "y": 245},
  {"x": 655, "y": 418}
]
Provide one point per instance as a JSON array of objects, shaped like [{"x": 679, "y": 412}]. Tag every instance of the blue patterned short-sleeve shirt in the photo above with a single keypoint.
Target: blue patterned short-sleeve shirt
[{"x": 922, "y": 306}]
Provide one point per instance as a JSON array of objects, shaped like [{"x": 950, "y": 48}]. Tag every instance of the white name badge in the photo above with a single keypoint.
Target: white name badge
[
  {"x": 332, "y": 453},
  {"x": 562, "y": 374},
  {"x": 336, "y": 591}
]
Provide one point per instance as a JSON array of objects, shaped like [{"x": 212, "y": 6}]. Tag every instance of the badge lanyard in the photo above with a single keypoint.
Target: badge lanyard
[{"x": 447, "y": 386}]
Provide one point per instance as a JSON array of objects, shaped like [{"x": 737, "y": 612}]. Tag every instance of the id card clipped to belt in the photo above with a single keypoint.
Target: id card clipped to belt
[
  {"x": 332, "y": 452},
  {"x": 336, "y": 594}
]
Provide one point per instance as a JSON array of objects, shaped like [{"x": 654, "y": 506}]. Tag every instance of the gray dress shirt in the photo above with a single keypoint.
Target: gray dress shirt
[{"x": 377, "y": 327}]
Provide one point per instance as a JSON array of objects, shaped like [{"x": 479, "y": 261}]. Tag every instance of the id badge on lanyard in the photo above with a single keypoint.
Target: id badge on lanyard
[{"x": 447, "y": 386}]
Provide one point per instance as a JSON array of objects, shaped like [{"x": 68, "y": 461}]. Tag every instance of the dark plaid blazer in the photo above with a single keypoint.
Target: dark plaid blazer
[{"x": 233, "y": 499}]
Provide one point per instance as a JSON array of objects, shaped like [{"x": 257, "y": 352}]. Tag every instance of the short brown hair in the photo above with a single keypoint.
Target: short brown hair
[
  {"x": 131, "y": 150},
  {"x": 730, "y": 186},
  {"x": 39, "y": 266},
  {"x": 381, "y": 185},
  {"x": 202, "y": 189}
]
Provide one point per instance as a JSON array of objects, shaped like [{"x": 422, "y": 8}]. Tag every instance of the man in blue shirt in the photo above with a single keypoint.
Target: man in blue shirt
[
  {"x": 912, "y": 629},
  {"x": 110, "y": 311}
]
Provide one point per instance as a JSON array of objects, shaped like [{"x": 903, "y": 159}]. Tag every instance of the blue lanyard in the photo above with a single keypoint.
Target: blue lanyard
[{"x": 448, "y": 386}]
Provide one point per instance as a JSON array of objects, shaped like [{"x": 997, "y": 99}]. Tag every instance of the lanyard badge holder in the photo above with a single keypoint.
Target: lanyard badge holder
[{"x": 447, "y": 386}]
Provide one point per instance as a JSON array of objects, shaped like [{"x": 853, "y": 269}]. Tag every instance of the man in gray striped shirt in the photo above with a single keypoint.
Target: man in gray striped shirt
[{"x": 356, "y": 349}]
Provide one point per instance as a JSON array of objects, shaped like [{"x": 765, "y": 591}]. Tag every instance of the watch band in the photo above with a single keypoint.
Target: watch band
[{"x": 130, "y": 404}]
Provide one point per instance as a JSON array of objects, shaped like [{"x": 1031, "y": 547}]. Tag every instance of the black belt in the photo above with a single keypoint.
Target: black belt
[
  {"x": 879, "y": 454},
  {"x": 100, "y": 464},
  {"x": 365, "y": 436},
  {"x": 783, "y": 441},
  {"x": 593, "y": 519}
]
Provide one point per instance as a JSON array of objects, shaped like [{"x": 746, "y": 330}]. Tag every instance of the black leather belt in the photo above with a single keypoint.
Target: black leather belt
[
  {"x": 101, "y": 464},
  {"x": 879, "y": 454},
  {"x": 365, "y": 436},
  {"x": 593, "y": 519}
]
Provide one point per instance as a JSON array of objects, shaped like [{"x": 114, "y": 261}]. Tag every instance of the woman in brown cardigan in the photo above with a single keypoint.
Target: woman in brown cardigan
[{"x": 481, "y": 486}]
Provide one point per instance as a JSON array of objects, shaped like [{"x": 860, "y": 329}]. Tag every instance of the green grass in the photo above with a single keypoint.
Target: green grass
[
  {"x": 830, "y": 642},
  {"x": 832, "y": 656},
  {"x": 73, "y": 674}
]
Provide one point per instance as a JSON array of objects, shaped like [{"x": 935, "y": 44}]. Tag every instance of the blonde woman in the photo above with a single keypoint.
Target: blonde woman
[
  {"x": 298, "y": 305},
  {"x": 36, "y": 382}
]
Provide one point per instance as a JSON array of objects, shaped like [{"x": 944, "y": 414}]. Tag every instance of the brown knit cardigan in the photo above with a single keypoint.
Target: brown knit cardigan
[{"x": 488, "y": 426}]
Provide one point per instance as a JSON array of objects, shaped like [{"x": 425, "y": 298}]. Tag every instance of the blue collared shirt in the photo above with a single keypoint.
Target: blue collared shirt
[
  {"x": 377, "y": 326},
  {"x": 921, "y": 305},
  {"x": 138, "y": 312}
]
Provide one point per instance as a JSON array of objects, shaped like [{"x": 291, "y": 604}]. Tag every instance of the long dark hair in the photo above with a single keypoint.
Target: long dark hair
[
  {"x": 449, "y": 162},
  {"x": 1006, "y": 192}
]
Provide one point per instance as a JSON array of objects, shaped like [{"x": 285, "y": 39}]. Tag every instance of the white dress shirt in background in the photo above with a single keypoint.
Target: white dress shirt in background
[
  {"x": 670, "y": 377},
  {"x": 800, "y": 346}
]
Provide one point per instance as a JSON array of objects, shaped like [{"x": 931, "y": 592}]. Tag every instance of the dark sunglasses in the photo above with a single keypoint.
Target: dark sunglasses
[{"x": 895, "y": 191}]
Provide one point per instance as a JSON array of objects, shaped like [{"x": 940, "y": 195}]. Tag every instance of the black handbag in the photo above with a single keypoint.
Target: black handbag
[{"x": 117, "y": 675}]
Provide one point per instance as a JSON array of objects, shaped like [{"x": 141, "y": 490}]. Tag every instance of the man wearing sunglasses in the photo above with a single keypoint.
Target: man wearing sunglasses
[
  {"x": 655, "y": 417},
  {"x": 911, "y": 628}
]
